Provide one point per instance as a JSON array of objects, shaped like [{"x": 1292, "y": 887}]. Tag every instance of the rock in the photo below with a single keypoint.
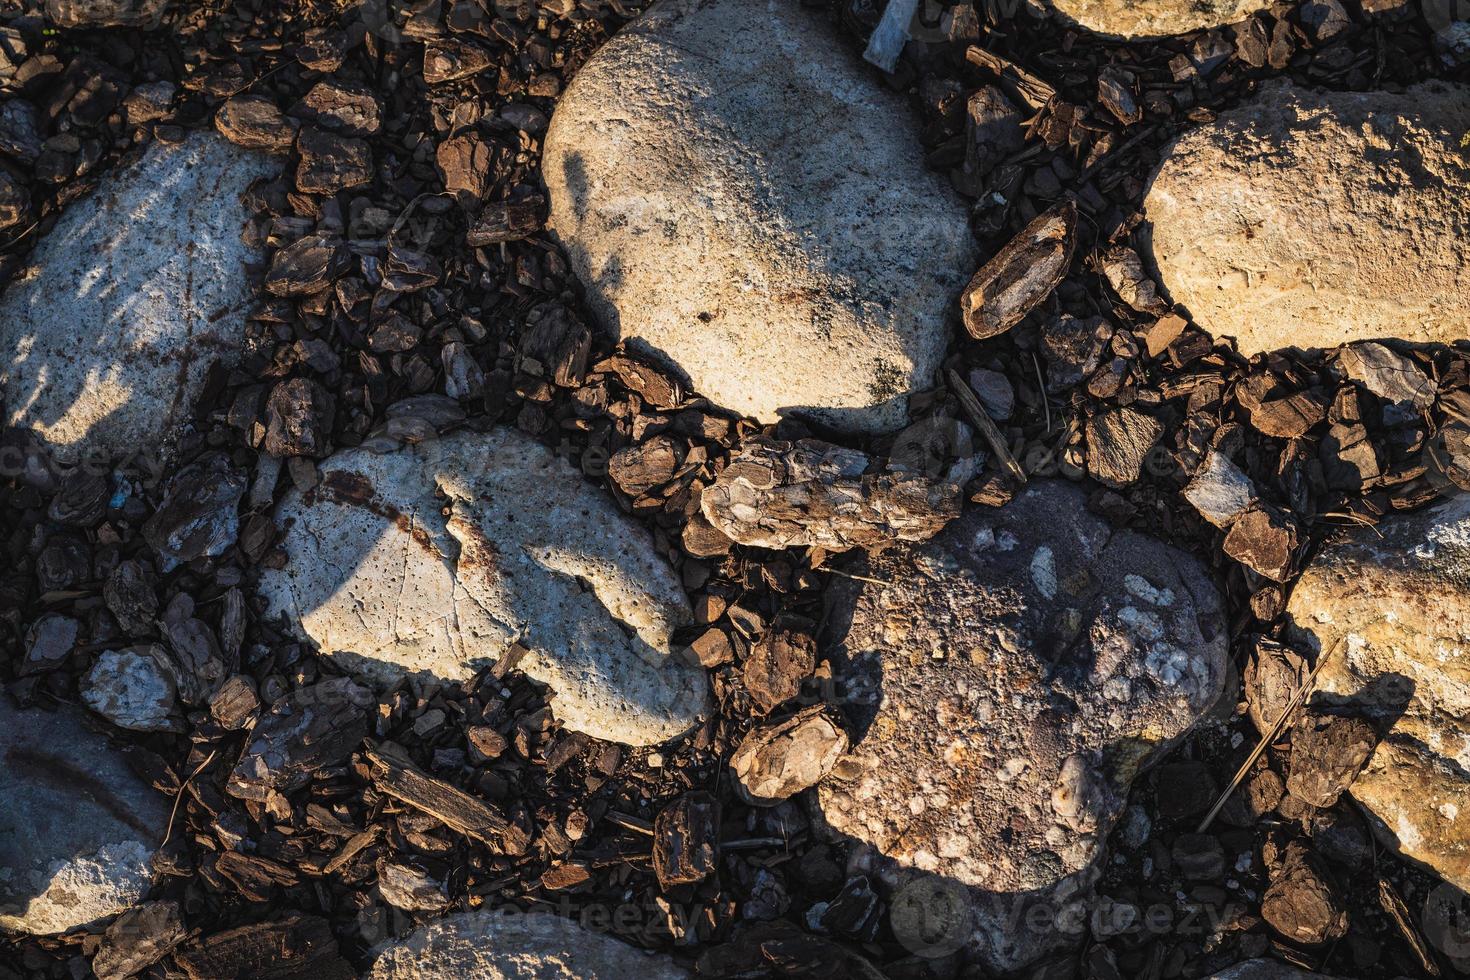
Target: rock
[
  {"x": 528, "y": 556},
  {"x": 136, "y": 688},
  {"x": 1118, "y": 443},
  {"x": 309, "y": 729},
  {"x": 1153, "y": 18},
  {"x": 1394, "y": 611},
  {"x": 1256, "y": 216},
  {"x": 106, "y": 13},
  {"x": 508, "y": 944},
  {"x": 1303, "y": 903},
  {"x": 117, "y": 369},
  {"x": 1220, "y": 491},
  {"x": 199, "y": 514},
  {"x": 254, "y": 122},
  {"x": 298, "y": 419},
  {"x": 1263, "y": 540},
  {"x": 410, "y": 889},
  {"x": 1389, "y": 375},
  {"x": 775, "y": 494},
  {"x": 49, "y": 641},
  {"x": 77, "y": 828},
  {"x": 702, "y": 179},
  {"x": 686, "y": 840},
  {"x": 775, "y": 762},
  {"x": 330, "y": 163},
  {"x": 779, "y": 662},
  {"x": 1327, "y": 753},
  {"x": 137, "y": 939},
  {"x": 1007, "y": 681},
  {"x": 1265, "y": 970}
]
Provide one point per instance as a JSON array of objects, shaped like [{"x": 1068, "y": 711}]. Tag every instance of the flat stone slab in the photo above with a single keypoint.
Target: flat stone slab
[
  {"x": 105, "y": 343},
  {"x": 1313, "y": 219},
  {"x": 1005, "y": 682},
  {"x": 512, "y": 945},
  {"x": 741, "y": 196},
  {"x": 529, "y": 558},
  {"x": 78, "y": 829},
  {"x": 1154, "y": 18},
  {"x": 1395, "y": 612}
]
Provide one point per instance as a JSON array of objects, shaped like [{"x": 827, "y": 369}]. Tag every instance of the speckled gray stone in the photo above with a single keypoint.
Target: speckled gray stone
[
  {"x": 106, "y": 341},
  {"x": 78, "y": 829},
  {"x": 512, "y": 945},
  {"x": 438, "y": 559},
  {"x": 741, "y": 195},
  {"x": 1005, "y": 682},
  {"x": 1393, "y": 606}
]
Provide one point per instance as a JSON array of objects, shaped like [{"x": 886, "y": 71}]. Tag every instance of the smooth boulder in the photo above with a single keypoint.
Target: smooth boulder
[
  {"x": 508, "y": 944},
  {"x": 78, "y": 829},
  {"x": 438, "y": 559},
  {"x": 1154, "y": 18},
  {"x": 741, "y": 196},
  {"x": 1391, "y": 607},
  {"x": 1314, "y": 219},
  {"x": 1005, "y": 683},
  {"x": 107, "y": 338}
]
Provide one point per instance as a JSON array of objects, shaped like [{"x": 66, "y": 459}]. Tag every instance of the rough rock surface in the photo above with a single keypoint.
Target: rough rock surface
[
  {"x": 1265, "y": 970},
  {"x": 1005, "y": 685},
  {"x": 134, "y": 293},
  {"x": 750, "y": 204},
  {"x": 77, "y": 828},
  {"x": 106, "y": 13},
  {"x": 1257, "y": 218},
  {"x": 1154, "y": 18},
  {"x": 1395, "y": 612},
  {"x": 509, "y": 945},
  {"x": 793, "y": 495},
  {"x": 530, "y": 556}
]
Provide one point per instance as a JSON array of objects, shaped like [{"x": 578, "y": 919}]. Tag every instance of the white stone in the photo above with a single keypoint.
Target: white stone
[
  {"x": 508, "y": 944},
  {"x": 1220, "y": 491},
  {"x": 1154, "y": 18},
  {"x": 77, "y": 828},
  {"x": 739, "y": 194},
  {"x": 1258, "y": 219},
  {"x": 438, "y": 559},
  {"x": 1398, "y": 604},
  {"x": 106, "y": 340}
]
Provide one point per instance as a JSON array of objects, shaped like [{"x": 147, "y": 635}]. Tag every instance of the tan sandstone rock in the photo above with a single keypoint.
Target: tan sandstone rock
[
  {"x": 513, "y": 945},
  {"x": 1005, "y": 682},
  {"x": 1314, "y": 219},
  {"x": 740, "y": 195},
  {"x": 440, "y": 558},
  {"x": 1154, "y": 18},
  {"x": 1395, "y": 612}
]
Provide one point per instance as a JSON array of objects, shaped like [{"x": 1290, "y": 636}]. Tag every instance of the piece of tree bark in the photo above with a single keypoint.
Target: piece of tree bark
[{"x": 1022, "y": 275}]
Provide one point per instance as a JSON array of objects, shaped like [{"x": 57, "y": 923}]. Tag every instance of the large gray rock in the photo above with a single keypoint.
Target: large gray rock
[
  {"x": 1313, "y": 219},
  {"x": 1154, "y": 18},
  {"x": 1393, "y": 607},
  {"x": 77, "y": 828},
  {"x": 740, "y": 195},
  {"x": 511, "y": 945},
  {"x": 439, "y": 559},
  {"x": 106, "y": 341},
  {"x": 1005, "y": 682}
]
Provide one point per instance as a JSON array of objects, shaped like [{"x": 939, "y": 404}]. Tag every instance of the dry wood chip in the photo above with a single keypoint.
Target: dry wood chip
[
  {"x": 453, "y": 807},
  {"x": 1022, "y": 275},
  {"x": 686, "y": 840},
  {"x": 289, "y": 948}
]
